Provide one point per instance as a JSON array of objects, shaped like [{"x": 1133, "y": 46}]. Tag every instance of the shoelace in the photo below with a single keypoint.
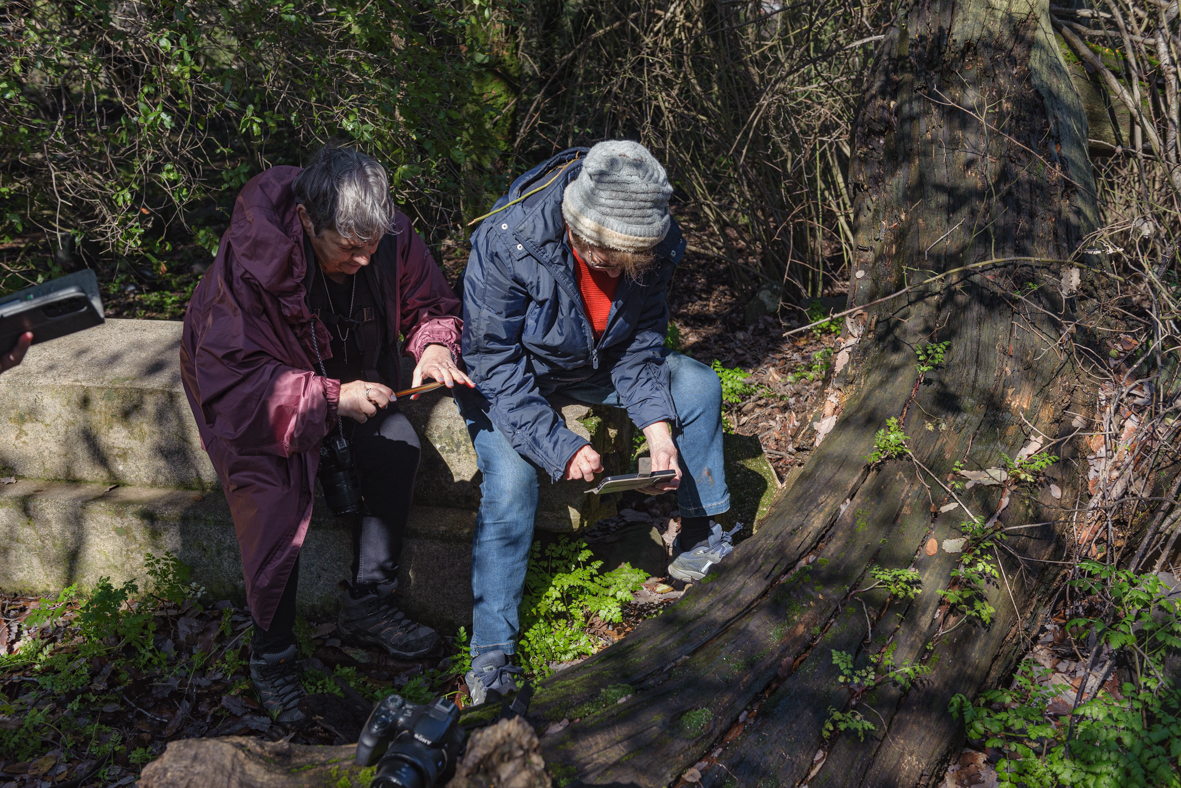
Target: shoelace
[
  {"x": 499, "y": 676},
  {"x": 723, "y": 541}
]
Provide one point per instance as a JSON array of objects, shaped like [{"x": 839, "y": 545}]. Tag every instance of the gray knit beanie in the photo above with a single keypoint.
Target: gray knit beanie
[{"x": 620, "y": 199}]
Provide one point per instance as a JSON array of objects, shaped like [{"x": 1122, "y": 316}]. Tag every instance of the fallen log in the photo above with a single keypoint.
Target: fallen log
[{"x": 970, "y": 168}]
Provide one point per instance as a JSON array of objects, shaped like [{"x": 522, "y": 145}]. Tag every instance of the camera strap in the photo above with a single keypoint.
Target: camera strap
[{"x": 323, "y": 370}]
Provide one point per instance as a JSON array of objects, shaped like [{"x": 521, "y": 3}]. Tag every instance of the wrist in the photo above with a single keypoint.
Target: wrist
[{"x": 658, "y": 432}]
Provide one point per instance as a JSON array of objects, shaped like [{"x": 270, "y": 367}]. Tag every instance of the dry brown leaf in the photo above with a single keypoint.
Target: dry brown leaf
[{"x": 932, "y": 546}]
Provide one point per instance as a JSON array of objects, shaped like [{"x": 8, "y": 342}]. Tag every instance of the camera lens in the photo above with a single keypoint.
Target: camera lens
[{"x": 391, "y": 773}]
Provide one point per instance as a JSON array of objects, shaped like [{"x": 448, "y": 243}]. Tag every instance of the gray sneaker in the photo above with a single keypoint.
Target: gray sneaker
[
  {"x": 693, "y": 564},
  {"x": 491, "y": 672},
  {"x": 374, "y": 620},
  {"x": 277, "y": 683}
]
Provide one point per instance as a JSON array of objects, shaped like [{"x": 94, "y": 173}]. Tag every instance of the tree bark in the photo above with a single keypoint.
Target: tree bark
[{"x": 970, "y": 146}]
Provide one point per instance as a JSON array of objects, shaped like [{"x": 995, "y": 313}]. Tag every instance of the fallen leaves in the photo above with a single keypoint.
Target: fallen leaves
[
  {"x": 954, "y": 545},
  {"x": 985, "y": 478},
  {"x": 932, "y": 546}
]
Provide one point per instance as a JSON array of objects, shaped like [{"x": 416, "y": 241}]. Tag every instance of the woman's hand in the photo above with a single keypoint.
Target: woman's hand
[
  {"x": 360, "y": 399},
  {"x": 12, "y": 358},
  {"x": 585, "y": 463},
  {"x": 438, "y": 364},
  {"x": 663, "y": 452}
]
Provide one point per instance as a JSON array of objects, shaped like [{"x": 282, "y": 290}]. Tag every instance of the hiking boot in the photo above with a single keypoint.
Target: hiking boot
[
  {"x": 491, "y": 672},
  {"x": 277, "y": 683},
  {"x": 693, "y": 564},
  {"x": 372, "y": 619}
]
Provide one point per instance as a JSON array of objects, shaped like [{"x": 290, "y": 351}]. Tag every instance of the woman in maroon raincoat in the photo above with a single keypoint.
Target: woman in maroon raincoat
[{"x": 290, "y": 338}]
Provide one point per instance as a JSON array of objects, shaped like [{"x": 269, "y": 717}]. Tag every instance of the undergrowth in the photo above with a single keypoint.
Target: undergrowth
[
  {"x": 564, "y": 591},
  {"x": 1130, "y": 736}
]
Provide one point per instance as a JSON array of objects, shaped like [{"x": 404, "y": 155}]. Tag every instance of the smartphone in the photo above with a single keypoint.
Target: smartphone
[{"x": 51, "y": 309}]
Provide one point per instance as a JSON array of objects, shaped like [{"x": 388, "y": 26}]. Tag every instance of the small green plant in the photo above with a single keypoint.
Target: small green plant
[
  {"x": 863, "y": 679},
  {"x": 930, "y": 356},
  {"x": 303, "y": 637},
  {"x": 816, "y": 312},
  {"x": 851, "y": 721},
  {"x": 976, "y": 570},
  {"x": 1028, "y": 469},
  {"x": 901, "y": 583},
  {"x": 672, "y": 337},
  {"x": 170, "y": 578},
  {"x": 140, "y": 756},
  {"x": 734, "y": 385},
  {"x": 461, "y": 662},
  {"x": 888, "y": 443},
  {"x": 821, "y": 361},
  {"x": 857, "y": 678},
  {"x": 860, "y": 523},
  {"x": 564, "y": 590}
]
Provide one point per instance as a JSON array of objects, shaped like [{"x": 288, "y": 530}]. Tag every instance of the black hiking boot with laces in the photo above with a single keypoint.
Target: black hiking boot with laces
[
  {"x": 277, "y": 683},
  {"x": 368, "y": 617}
]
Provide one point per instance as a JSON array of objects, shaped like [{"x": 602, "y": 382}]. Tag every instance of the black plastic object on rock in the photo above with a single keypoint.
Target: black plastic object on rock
[
  {"x": 418, "y": 746},
  {"x": 51, "y": 309}
]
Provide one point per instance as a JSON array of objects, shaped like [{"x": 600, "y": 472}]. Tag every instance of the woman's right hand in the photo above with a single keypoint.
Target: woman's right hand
[{"x": 360, "y": 399}]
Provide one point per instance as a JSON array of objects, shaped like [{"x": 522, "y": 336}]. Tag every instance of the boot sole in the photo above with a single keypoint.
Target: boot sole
[{"x": 686, "y": 577}]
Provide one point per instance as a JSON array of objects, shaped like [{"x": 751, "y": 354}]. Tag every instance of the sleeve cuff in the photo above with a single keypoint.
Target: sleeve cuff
[
  {"x": 441, "y": 331},
  {"x": 332, "y": 394}
]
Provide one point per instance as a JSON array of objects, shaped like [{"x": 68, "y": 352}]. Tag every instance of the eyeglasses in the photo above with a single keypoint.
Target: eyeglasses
[{"x": 590, "y": 260}]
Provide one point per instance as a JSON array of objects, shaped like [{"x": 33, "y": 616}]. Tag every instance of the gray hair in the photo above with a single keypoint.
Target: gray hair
[{"x": 345, "y": 190}]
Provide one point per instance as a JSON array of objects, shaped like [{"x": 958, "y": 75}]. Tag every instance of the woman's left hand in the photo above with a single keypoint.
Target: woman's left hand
[{"x": 437, "y": 363}]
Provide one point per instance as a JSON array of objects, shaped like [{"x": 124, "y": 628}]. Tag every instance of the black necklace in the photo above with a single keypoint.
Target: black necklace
[{"x": 344, "y": 338}]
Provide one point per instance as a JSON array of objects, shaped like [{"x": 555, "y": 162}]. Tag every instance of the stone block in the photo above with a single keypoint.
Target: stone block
[
  {"x": 104, "y": 405},
  {"x": 54, "y": 534},
  {"x": 107, "y": 406}
]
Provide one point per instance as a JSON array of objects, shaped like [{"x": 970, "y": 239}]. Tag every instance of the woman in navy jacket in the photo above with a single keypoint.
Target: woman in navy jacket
[{"x": 565, "y": 292}]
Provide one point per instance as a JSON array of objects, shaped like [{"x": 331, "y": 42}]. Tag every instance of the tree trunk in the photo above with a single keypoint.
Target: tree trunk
[{"x": 970, "y": 146}]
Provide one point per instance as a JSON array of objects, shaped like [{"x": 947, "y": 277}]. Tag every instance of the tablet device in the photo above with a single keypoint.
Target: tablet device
[
  {"x": 51, "y": 309},
  {"x": 632, "y": 481}
]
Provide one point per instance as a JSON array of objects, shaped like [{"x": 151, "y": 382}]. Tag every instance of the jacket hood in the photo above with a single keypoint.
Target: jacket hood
[{"x": 267, "y": 239}]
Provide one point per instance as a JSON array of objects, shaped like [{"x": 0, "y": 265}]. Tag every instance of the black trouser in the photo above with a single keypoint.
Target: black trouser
[{"x": 386, "y": 449}]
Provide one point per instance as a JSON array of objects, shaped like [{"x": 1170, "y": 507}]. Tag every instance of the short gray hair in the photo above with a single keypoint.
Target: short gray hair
[{"x": 345, "y": 190}]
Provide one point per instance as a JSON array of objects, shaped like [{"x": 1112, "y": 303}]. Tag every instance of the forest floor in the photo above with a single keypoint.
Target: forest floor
[{"x": 79, "y": 712}]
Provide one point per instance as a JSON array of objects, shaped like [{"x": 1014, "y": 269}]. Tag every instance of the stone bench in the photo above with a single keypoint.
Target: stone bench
[{"x": 98, "y": 431}]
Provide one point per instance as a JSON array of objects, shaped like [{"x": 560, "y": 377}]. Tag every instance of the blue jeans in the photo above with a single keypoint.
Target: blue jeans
[{"x": 508, "y": 506}]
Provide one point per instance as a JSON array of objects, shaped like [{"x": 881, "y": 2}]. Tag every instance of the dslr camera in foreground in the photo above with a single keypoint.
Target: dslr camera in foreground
[{"x": 413, "y": 745}]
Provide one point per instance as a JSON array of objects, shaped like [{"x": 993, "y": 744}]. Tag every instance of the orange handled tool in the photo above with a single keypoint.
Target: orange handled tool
[{"x": 417, "y": 390}]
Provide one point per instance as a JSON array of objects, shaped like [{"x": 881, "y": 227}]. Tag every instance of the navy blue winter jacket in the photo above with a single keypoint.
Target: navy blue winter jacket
[{"x": 526, "y": 332}]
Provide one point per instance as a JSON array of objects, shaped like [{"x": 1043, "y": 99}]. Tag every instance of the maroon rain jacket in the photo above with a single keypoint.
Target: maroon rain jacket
[{"x": 248, "y": 368}]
